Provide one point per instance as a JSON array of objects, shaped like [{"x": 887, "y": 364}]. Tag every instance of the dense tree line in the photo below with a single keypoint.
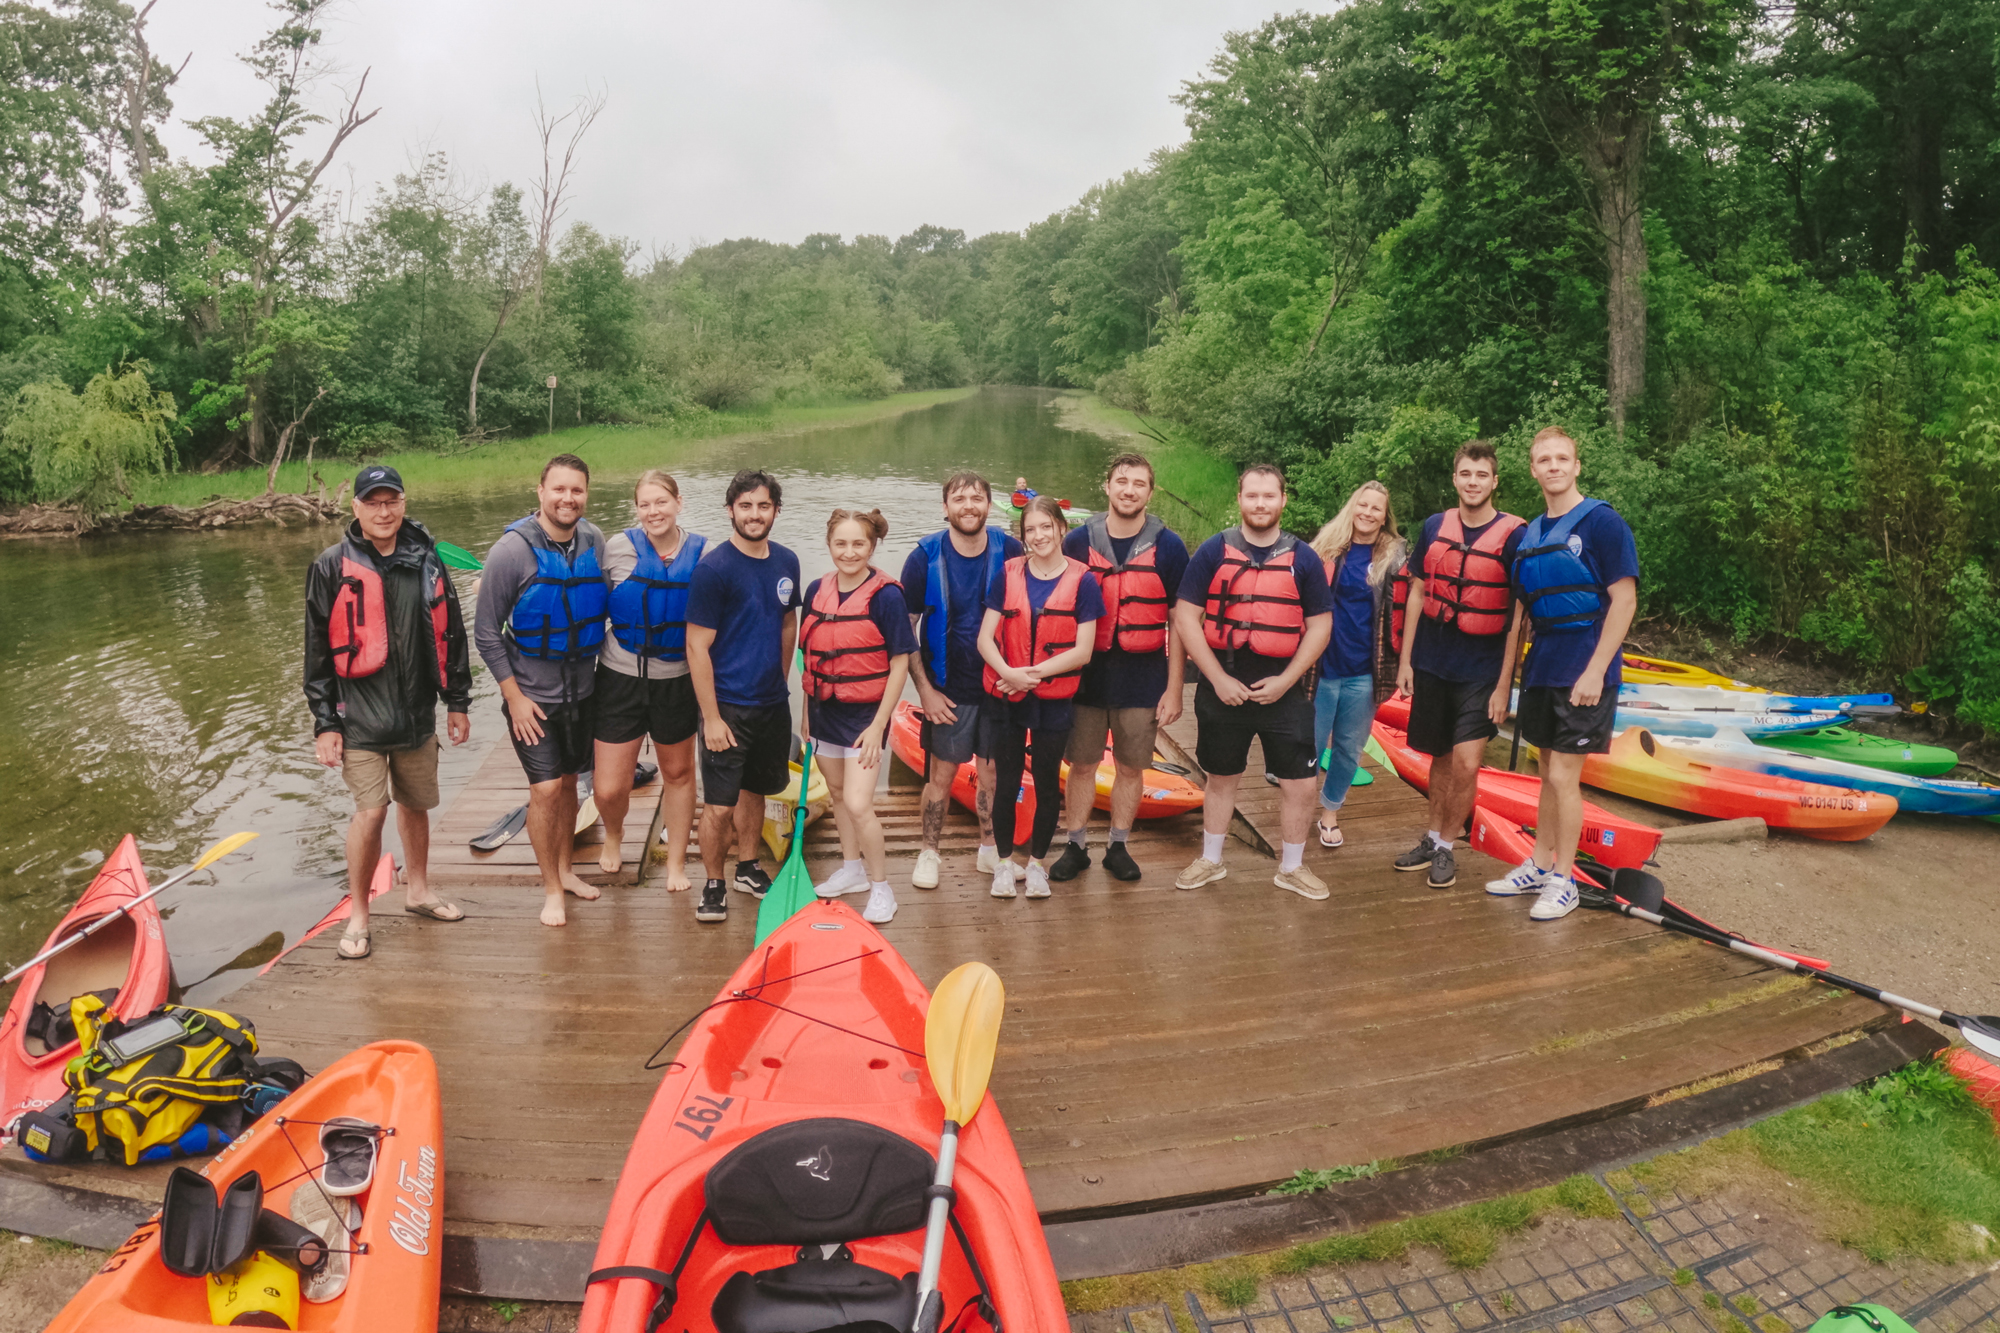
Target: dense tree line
[{"x": 1746, "y": 251}]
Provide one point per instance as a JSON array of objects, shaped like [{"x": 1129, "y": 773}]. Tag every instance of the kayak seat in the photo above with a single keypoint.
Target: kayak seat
[{"x": 816, "y": 1184}]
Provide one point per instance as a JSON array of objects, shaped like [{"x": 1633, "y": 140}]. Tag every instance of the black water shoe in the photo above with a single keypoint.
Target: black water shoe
[
  {"x": 1119, "y": 862},
  {"x": 1073, "y": 862},
  {"x": 1420, "y": 856},
  {"x": 714, "y": 904}
]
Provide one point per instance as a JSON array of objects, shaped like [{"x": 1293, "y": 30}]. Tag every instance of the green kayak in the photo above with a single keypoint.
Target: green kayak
[{"x": 1858, "y": 747}]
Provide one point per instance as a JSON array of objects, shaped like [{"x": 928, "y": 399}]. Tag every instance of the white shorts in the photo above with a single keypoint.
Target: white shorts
[{"x": 826, "y": 751}]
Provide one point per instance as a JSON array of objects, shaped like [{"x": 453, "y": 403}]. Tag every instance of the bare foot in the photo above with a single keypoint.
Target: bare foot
[
  {"x": 552, "y": 911},
  {"x": 677, "y": 879},
  {"x": 611, "y": 859},
  {"x": 571, "y": 884}
]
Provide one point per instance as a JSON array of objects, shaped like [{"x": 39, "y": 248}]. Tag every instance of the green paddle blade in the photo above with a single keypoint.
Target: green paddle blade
[
  {"x": 1362, "y": 777},
  {"x": 1374, "y": 751},
  {"x": 458, "y": 557},
  {"x": 793, "y": 888}
]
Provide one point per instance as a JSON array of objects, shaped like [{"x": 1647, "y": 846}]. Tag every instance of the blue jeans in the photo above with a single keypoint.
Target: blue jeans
[{"x": 1343, "y": 710}]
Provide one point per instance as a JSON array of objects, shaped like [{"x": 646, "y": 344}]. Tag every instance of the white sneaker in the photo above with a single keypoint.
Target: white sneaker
[
  {"x": 1524, "y": 878},
  {"x": 847, "y": 879},
  {"x": 925, "y": 876},
  {"x": 1558, "y": 900},
  {"x": 989, "y": 859},
  {"x": 881, "y": 907},
  {"x": 1038, "y": 880},
  {"x": 1003, "y": 879}
]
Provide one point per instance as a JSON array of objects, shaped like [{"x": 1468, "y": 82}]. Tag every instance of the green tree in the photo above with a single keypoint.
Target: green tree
[{"x": 84, "y": 448}]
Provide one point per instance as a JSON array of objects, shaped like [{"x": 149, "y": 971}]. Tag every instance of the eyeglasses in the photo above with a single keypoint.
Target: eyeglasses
[{"x": 393, "y": 502}]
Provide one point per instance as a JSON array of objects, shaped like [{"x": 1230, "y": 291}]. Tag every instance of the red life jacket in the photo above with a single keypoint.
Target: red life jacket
[
  {"x": 1027, "y": 636},
  {"x": 1399, "y": 597},
  {"x": 846, "y": 657},
  {"x": 1252, "y": 606},
  {"x": 1135, "y": 597},
  {"x": 1467, "y": 585},
  {"x": 358, "y": 628}
]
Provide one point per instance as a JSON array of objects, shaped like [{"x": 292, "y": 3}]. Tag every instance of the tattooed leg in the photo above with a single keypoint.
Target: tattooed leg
[
  {"x": 933, "y": 823},
  {"x": 988, "y": 780}
]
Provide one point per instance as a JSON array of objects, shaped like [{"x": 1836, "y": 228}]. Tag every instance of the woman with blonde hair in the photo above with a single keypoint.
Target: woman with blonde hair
[
  {"x": 856, "y": 642},
  {"x": 643, "y": 687},
  {"x": 1363, "y": 552}
]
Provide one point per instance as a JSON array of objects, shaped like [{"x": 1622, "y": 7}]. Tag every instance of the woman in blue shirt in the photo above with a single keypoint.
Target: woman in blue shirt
[{"x": 1362, "y": 551}]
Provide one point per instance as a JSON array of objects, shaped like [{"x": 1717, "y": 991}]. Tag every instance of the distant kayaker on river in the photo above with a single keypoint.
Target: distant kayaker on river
[
  {"x": 855, "y": 633},
  {"x": 944, "y": 582},
  {"x": 1460, "y": 639},
  {"x": 1036, "y": 638},
  {"x": 385, "y": 639},
  {"x": 1577, "y": 580},
  {"x": 742, "y": 621},
  {"x": 1254, "y": 614},
  {"x": 1362, "y": 552},
  {"x": 1133, "y": 685},
  {"x": 540, "y": 625},
  {"x": 643, "y": 685}
]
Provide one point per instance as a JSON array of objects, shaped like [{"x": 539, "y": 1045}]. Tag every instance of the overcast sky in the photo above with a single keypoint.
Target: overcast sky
[{"x": 775, "y": 119}]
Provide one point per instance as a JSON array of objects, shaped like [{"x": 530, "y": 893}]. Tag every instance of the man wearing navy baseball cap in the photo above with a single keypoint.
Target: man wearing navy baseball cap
[{"x": 385, "y": 639}]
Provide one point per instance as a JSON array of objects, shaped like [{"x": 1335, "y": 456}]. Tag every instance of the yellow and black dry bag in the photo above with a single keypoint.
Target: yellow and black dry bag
[{"x": 138, "y": 1087}]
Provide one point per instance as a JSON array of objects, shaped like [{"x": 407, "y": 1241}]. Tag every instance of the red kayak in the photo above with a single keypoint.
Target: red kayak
[
  {"x": 779, "y": 1179},
  {"x": 1514, "y": 796},
  {"x": 128, "y": 956}
]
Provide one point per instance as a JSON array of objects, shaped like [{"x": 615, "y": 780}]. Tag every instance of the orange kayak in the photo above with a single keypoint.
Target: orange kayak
[
  {"x": 129, "y": 955},
  {"x": 392, "y": 1285},
  {"x": 1162, "y": 793},
  {"x": 1647, "y": 769},
  {"x": 799, "y": 1116},
  {"x": 1606, "y": 837}
]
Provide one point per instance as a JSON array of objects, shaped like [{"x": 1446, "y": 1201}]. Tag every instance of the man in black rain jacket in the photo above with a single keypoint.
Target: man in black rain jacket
[{"x": 384, "y": 640}]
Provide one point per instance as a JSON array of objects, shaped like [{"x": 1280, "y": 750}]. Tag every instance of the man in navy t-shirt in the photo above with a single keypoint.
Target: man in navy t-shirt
[
  {"x": 1132, "y": 686},
  {"x": 1577, "y": 578},
  {"x": 944, "y": 583},
  {"x": 742, "y": 620},
  {"x": 1460, "y": 639},
  {"x": 1253, "y": 614}
]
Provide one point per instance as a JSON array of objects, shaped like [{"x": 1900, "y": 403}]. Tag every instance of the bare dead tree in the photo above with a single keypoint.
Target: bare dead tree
[
  {"x": 285, "y": 442},
  {"x": 551, "y": 194}
]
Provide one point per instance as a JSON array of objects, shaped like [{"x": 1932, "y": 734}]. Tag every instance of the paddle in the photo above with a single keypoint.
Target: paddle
[
  {"x": 793, "y": 888},
  {"x": 1634, "y": 886},
  {"x": 506, "y": 828},
  {"x": 459, "y": 558},
  {"x": 960, "y": 1032},
  {"x": 208, "y": 858}
]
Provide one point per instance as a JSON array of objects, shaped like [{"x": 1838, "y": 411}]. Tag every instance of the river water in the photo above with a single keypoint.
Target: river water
[{"x": 150, "y": 684}]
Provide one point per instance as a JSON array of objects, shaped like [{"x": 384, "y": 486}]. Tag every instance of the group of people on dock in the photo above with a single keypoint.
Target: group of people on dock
[{"x": 1025, "y": 648}]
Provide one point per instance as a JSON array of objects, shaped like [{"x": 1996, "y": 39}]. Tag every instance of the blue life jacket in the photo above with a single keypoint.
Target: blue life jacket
[
  {"x": 649, "y": 608},
  {"x": 1561, "y": 589},
  {"x": 937, "y": 593},
  {"x": 559, "y": 615}
]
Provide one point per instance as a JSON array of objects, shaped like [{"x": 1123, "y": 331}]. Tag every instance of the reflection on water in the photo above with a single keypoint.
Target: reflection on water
[{"x": 150, "y": 684}]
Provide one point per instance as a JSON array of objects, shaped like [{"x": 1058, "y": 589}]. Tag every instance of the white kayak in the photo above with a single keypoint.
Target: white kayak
[
  {"x": 1914, "y": 795},
  {"x": 1699, "y": 699}
]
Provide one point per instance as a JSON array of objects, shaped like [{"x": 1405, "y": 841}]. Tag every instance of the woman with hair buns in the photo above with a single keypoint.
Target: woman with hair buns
[
  {"x": 643, "y": 685},
  {"x": 856, "y": 642}
]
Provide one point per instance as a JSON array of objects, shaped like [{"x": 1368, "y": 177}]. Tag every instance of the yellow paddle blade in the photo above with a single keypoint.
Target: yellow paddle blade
[
  {"x": 960, "y": 1033},
  {"x": 222, "y": 849}
]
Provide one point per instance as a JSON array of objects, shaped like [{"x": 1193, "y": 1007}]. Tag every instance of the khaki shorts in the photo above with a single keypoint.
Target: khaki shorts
[
  {"x": 412, "y": 775},
  {"x": 1133, "y": 731}
]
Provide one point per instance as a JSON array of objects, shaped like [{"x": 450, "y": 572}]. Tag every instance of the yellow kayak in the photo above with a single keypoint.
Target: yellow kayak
[
  {"x": 1639, "y": 670},
  {"x": 778, "y": 809}
]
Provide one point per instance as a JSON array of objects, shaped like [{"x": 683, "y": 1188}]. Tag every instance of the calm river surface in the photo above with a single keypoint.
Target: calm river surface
[{"x": 150, "y": 684}]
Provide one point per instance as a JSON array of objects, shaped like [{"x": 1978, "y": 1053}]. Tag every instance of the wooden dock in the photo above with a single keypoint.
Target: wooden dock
[{"x": 1160, "y": 1047}]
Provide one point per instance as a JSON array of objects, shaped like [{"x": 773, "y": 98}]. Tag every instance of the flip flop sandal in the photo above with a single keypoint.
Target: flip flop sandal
[
  {"x": 1329, "y": 837},
  {"x": 365, "y": 939},
  {"x": 336, "y": 1221},
  {"x": 435, "y": 911},
  {"x": 349, "y": 1147}
]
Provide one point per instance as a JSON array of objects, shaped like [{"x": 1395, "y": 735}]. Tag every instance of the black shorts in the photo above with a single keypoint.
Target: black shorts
[
  {"x": 758, "y": 762},
  {"x": 1223, "y": 734},
  {"x": 1447, "y": 713},
  {"x": 1550, "y": 722},
  {"x": 628, "y": 708},
  {"x": 568, "y": 744}
]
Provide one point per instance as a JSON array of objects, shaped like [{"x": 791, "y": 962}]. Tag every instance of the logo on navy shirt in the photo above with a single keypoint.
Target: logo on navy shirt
[
  {"x": 785, "y": 587},
  {"x": 1575, "y": 544}
]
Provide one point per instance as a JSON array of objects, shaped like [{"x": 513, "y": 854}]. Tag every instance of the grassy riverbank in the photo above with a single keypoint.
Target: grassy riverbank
[
  {"x": 611, "y": 448},
  {"x": 1196, "y": 490}
]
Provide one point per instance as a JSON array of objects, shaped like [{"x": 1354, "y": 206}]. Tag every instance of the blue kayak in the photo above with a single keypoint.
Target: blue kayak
[{"x": 1691, "y": 699}]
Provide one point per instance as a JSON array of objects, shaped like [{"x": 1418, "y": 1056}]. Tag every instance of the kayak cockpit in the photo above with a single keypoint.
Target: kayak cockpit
[{"x": 98, "y": 964}]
